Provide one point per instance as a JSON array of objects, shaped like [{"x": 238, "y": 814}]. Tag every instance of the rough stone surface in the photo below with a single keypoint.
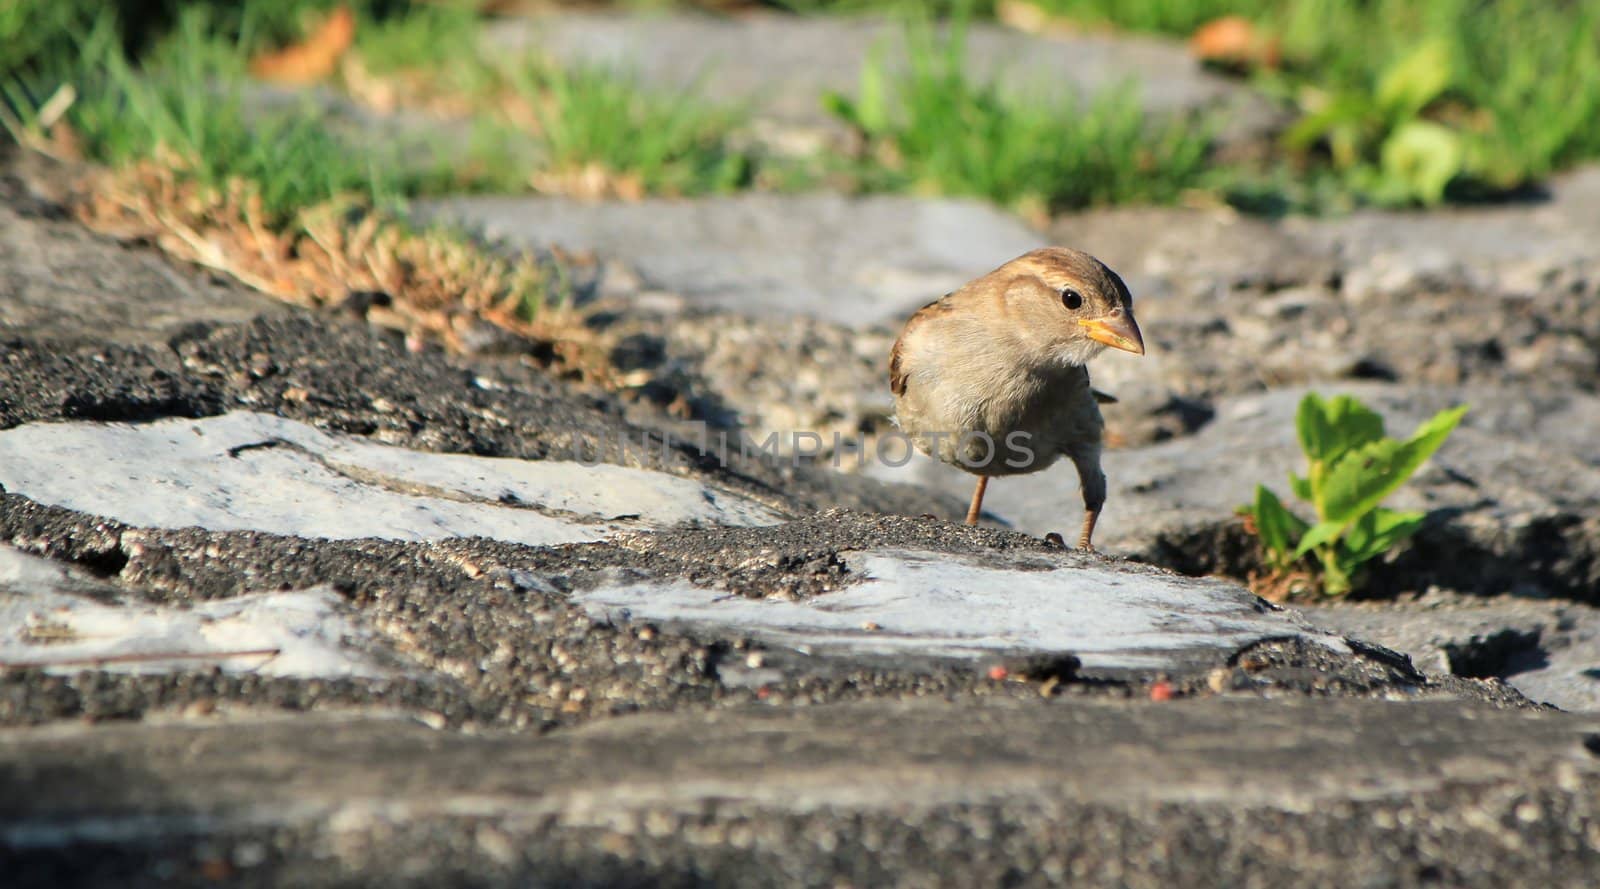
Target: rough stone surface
[
  {"x": 488, "y": 632},
  {"x": 51, "y": 624},
  {"x": 1549, "y": 651},
  {"x": 1502, "y": 296},
  {"x": 783, "y": 65},
  {"x": 764, "y": 377},
  {"x": 1511, "y": 496},
  {"x": 1492, "y": 247},
  {"x": 930, "y": 603},
  {"x": 345, "y": 378},
  {"x": 914, "y": 794},
  {"x": 250, "y": 471},
  {"x": 636, "y": 750},
  {"x": 56, "y": 276},
  {"x": 850, "y": 260}
]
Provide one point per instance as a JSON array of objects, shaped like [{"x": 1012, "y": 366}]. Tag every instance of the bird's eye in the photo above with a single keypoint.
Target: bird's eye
[{"x": 1072, "y": 299}]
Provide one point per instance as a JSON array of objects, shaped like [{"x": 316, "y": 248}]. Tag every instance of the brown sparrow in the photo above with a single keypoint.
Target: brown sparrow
[{"x": 991, "y": 377}]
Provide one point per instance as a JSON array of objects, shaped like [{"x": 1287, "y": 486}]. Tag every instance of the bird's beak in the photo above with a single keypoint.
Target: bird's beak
[{"x": 1116, "y": 331}]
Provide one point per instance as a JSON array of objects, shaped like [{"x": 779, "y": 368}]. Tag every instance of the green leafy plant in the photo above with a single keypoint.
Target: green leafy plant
[
  {"x": 1412, "y": 101},
  {"x": 1379, "y": 135},
  {"x": 1352, "y": 466}
]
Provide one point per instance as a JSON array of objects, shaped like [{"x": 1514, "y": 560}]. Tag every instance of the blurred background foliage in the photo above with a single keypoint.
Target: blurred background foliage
[{"x": 1392, "y": 102}]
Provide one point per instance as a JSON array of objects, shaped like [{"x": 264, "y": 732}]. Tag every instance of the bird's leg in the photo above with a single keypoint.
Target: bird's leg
[
  {"x": 977, "y": 500},
  {"x": 1093, "y": 483},
  {"x": 1090, "y": 516}
]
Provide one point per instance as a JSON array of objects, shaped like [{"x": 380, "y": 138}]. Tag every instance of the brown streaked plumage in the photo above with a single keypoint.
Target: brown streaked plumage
[{"x": 991, "y": 378}]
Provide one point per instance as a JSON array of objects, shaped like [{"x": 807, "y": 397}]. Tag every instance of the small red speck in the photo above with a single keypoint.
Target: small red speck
[
  {"x": 763, "y": 693},
  {"x": 1161, "y": 691},
  {"x": 998, "y": 672}
]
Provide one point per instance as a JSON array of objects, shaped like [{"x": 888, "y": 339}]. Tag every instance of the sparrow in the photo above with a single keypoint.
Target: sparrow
[{"x": 992, "y": 377}]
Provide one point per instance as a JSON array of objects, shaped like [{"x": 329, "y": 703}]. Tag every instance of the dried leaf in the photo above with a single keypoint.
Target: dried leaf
[
  {"x": 313, "y": 58},
  {"x": 592, "y": 182},
  {"x": 1235, "y": 40},
  {"x": 1031, "y": 18}
]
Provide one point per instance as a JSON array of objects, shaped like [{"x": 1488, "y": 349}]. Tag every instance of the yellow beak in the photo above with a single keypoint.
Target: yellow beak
[{"x": 1117, "y": 331}]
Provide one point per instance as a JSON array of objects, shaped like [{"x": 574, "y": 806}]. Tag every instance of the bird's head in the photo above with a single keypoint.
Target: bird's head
[{"x": 1072, "y": 302}]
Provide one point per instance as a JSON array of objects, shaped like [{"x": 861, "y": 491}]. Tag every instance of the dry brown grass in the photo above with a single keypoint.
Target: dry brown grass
[
  {"x": 1283, "y": 586},
  {"x": 418, "y": 89},
  {"x": 439, "y": 287},
  {"x": 1294, "y": 584}
]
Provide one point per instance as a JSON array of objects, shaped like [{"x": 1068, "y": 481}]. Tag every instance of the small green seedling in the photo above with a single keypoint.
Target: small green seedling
[{"x": 1351, "y": 467}]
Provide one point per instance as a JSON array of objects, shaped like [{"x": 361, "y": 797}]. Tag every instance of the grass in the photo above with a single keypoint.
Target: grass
[
  {"x": 44, "y": 32},
  {"x": 599, "y": 132},
  {"x": 185, "y": 155},
  {"x": 431, "y": 51},
  {"x": 30, "y": 32},
  {"x": 1518, "y": 90},
  {"x": 186, "y": 158},
  {"x": 1506, "y": 95},
  {"x": 597, "y": 122},
  {"x": 184, "y": 94},
  {"x": 935, "y": 128},
  {"x": 276, "y": 200},
  {"x": 1178, "y": 17},
  {"x": 185, "y": 101},
  {"x": 433, "y": 37}
]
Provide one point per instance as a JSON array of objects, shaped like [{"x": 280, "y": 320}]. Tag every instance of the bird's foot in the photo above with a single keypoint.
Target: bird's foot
[{"x": 1090, "y": 518}]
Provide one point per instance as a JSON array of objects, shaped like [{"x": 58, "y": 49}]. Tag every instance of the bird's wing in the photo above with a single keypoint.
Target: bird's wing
[
  {"x": 897, "y": 377},
  {"x": 897, "y": 372}
]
